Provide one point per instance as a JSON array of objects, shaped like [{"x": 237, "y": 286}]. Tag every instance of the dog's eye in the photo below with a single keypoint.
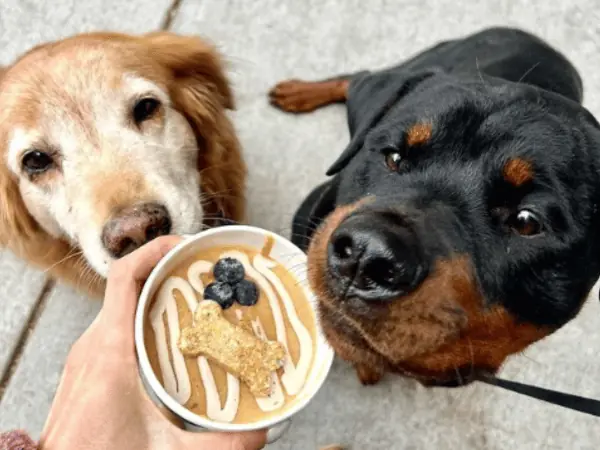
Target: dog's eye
[
  {"x": 526, "y": 223},
  {"x": 35, "y": 162},
  {"x": 145, "y": 109},
  {"x": 393, "y": 161}
]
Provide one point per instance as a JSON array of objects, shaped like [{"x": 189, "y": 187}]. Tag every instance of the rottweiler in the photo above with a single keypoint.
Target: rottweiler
[{"x": 460, "y": 224}]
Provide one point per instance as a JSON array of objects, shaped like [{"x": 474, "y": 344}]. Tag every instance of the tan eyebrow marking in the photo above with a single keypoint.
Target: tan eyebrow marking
[
  {"x": 517, "y": 171},
  {"x": 418, "y": 134}
]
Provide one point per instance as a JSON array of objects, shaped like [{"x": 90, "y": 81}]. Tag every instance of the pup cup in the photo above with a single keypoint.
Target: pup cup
[{"x": 198, "y": 389}]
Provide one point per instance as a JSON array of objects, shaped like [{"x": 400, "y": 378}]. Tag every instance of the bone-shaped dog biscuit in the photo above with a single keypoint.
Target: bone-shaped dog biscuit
[{"x": 240, "y": 352}]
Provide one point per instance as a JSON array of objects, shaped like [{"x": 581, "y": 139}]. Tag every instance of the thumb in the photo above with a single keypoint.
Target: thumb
[
  {"x": 250, "y": 440},
  {"x": 126, "y": 276}
]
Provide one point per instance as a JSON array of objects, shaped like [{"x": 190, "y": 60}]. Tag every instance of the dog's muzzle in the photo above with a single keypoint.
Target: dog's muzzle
[
  {"x": 374, "y": 257},
  {"x": 135, "y": 226}
]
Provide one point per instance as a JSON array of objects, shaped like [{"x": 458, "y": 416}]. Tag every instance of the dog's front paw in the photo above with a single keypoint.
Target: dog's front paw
[
  {"x": 298, "y": 96},
  {"x": 369, "y": 375}
]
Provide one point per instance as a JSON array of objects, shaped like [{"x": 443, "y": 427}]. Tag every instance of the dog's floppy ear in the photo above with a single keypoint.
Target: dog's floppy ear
[
  {"x": 15, "y": 220},
  {"x": 319, "y": 203},
  {"x": 16, "y": 223},
  {"x": 370, "y": 96},
  {"x": 201, "y": 91},
  {"x": 194, "y": 63}
]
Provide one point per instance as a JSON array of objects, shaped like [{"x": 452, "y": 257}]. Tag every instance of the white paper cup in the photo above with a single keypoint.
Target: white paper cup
[{"x": 286, "y": 254}]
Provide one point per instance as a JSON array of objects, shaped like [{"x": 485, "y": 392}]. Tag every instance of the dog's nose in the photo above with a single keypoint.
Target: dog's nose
[
  {"x": 374, "y": 258},
  {"x": 133, "y": 227}
]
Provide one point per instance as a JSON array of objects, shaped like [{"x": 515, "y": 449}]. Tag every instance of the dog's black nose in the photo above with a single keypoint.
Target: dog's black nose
[
  {"x": 374, "y": 258},
  {"x": 133, "y": 227}
]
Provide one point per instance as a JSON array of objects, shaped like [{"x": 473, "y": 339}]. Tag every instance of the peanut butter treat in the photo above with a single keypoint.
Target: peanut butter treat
[
  {"x": 241, "y": 353},
  {"x": 231, "y": 334}
]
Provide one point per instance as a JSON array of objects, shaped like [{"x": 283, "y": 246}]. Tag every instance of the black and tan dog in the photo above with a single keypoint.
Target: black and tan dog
[{"x": 460, "y": 224}]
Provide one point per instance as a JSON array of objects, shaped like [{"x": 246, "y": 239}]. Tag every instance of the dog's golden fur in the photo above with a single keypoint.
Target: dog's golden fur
[{"x": 189, "y": 70}]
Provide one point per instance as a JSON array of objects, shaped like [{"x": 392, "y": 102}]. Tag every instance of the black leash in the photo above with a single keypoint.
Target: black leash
[{"x": 575, "y": 402}]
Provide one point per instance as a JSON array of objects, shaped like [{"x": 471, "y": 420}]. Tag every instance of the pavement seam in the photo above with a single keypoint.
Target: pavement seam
[
  {"x": 171, "y": 14},
  {"x": 32, "y": 320}
]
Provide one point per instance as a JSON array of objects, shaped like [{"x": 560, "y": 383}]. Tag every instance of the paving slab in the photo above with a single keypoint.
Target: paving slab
[
  {"x": 25, "y": 23},
  {"x": 266, "y": 41},
  {"x": 29, "y": 394},
  {"x": 20, "y": 287}
]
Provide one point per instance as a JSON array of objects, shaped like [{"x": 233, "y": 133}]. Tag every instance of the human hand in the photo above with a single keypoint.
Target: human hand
[{"x": 100, "y": 402}]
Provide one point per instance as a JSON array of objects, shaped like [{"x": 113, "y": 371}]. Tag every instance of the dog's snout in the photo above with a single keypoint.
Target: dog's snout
[
  {"x": 133, "y": 227},
  {"x": 374, "y": 258}
]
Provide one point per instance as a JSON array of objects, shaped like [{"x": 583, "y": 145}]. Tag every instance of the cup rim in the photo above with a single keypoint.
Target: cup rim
[{"x": 157, "y": 388}]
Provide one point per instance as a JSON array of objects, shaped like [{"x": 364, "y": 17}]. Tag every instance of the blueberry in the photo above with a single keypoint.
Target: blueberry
[
  {"x": 229, "y": 270},
  {"x": 222, "y": 293},
  {"x": 246, "y": 293}
]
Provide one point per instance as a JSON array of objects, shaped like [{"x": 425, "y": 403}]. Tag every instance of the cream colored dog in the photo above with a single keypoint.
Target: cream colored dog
[{"x": 108, "y": 141}]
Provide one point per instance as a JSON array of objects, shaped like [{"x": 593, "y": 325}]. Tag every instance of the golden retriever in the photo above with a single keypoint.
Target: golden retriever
[{"x": 110, "y": 140}]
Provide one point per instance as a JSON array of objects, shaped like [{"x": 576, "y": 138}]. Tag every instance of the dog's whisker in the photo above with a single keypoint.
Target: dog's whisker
[
  {"x": 459, "y": 376},
  {"x": 223, "y": 196},
  {"x": 472, "y": 355},
  {"x": 214, "y": 167},
  {"x": 307, "y": 227},
  {"x": 61, "y": 261},
  {"x": 217, "y": 192},
  {"x": 479, "y": 70},
  {"x": 529, "y": 358},
  {"x": 92, "y": 279},
  {"x": 297, "y": 269},
  {"x": 528, "y": 71},
  {"x": 83, "y": 274},
  {"x": 289, "y": 230},
  {"x": 301, "y": 282}
]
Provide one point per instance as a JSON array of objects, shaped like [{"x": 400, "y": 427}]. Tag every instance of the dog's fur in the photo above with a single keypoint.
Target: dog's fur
[
  {"x": 470, "y": 147},
  {"x": 73, "y": 100}
]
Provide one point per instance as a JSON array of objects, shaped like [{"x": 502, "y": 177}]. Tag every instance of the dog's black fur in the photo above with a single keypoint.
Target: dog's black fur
[{"x": 495, "y": 95}]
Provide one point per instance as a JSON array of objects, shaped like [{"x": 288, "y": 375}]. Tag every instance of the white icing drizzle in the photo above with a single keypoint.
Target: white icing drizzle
[
  {"x": 277, "y": 398},
  {"x": 194, "y": 272},
  {"x": 175, "y": 376},
  {"x": 294, "y": 376},
  {"x": 213, "y": 402},
  {"x": 214, "y": 411}
]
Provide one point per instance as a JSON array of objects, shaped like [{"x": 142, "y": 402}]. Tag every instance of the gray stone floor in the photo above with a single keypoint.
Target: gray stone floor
[{"x": 265, "y": 41}]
